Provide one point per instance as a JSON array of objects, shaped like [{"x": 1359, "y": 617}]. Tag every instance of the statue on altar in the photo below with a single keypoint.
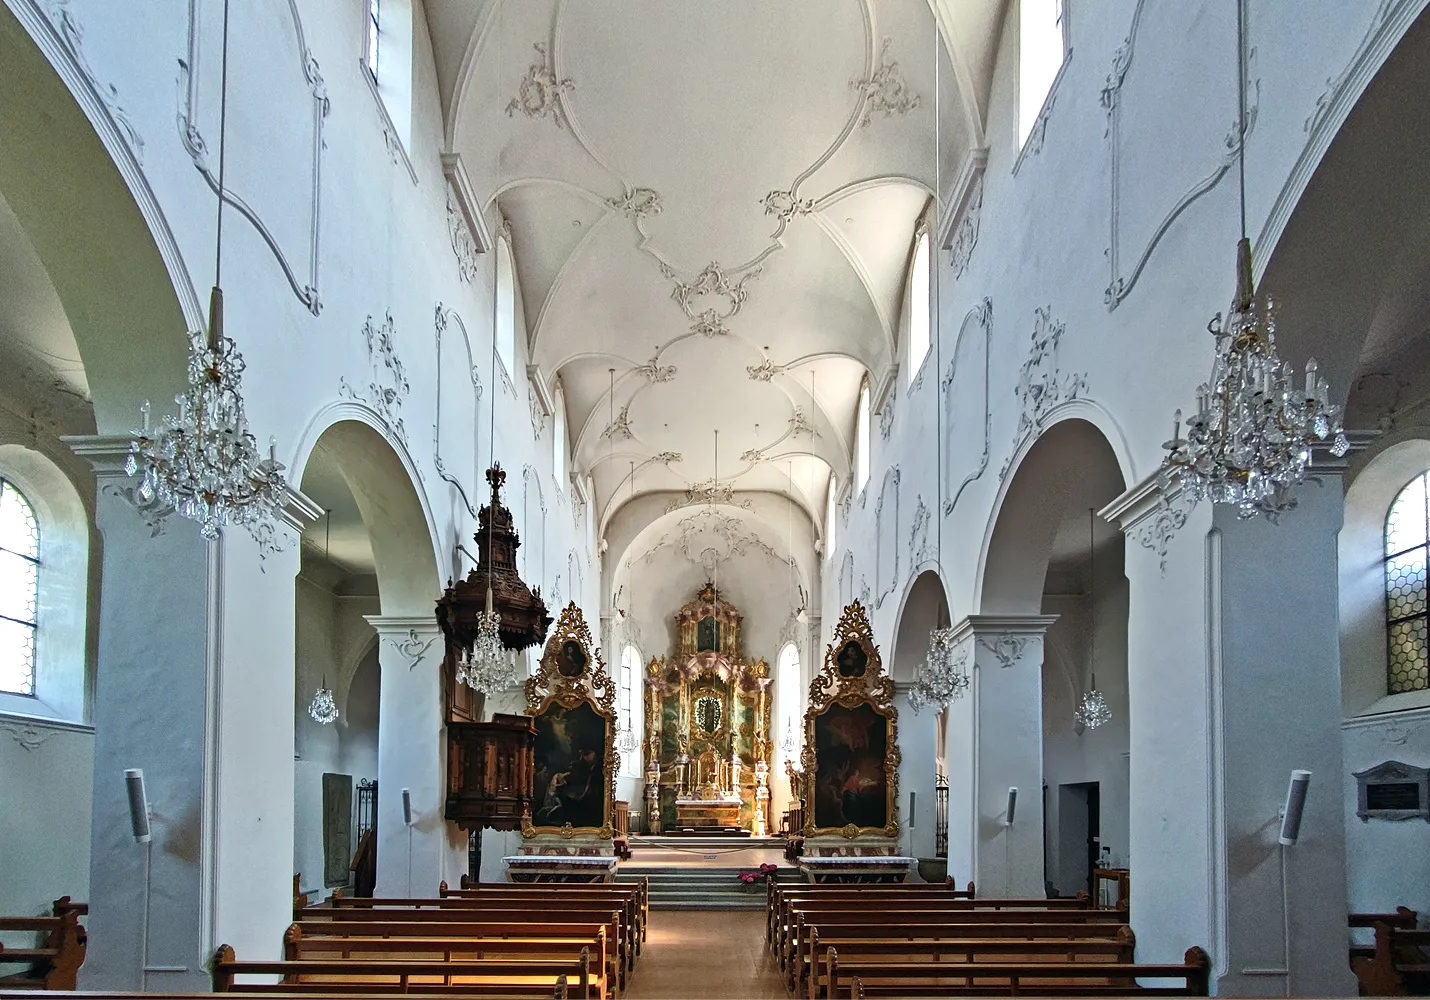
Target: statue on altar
[{"x": 707, "y": 726}]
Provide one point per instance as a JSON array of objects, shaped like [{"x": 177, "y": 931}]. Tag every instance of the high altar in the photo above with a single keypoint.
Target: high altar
[{"x": 707, "y": 727}]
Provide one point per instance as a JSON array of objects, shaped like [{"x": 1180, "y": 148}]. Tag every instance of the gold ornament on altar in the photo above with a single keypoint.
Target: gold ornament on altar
[
  {"x": 572, "y": 701},
  {"x": 851, "y": 749}
]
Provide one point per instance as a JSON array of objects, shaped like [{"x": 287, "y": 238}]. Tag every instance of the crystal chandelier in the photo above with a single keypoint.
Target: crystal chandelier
[
  {"x": 1250, "y": 440},
  {"x": 943, "y": 676},
  {"x": 487, "y": 665},
  {"x": 1092, "y": 711},
  {"x": 323, "y": 708},
  {"x": 204, "y": 462},
  {"x": 787, "y": 744},
  {"x": 626, "y": 738}
]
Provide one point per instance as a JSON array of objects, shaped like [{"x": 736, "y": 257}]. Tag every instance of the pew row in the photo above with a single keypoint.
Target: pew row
[
  {"x": 464, "y": 978},
  {"x": 54, "y": 963},
  {"x": 446, "y": 911},
  {"x": 638, "y": 894},
  {"x": 953, "y": 946},
  {"x": 1399, "y": 964},
  {"x": 866, "y": 979},
  {"x": 451, "y": 942}
]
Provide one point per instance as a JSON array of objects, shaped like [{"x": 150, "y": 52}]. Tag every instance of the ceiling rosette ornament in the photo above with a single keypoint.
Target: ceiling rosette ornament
[
  {"x": 765, "y": 371},
  {"x": 620, "y": 425},
  {"x": 653, "y": 371},
  {"x": 712, "y": 285},
  {"x": 711, "y": 492},
  {"x": 884, "y": 91},
  {"x": 539, "y": 93},
  {"x": 786, "y": 205},
  {"x": 637, "y": 203}
]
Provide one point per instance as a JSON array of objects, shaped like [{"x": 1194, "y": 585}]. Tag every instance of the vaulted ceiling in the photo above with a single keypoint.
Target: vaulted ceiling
[{"x": 712, "y": 205}]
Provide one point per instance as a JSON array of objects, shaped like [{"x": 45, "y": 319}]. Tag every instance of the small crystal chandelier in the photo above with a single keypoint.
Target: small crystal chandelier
[
  {"x": 943, "y": 676},
  {"x": 487, "y": 665},
  {"x": 787, "y": 743},
  {"x": 1092, "y": 711},
  {"x": 204, "y": 462},
  {"x": 626, "y": 738},
  {"x": 323, "y": 708},
  {"x": 1250, "y": 440}
]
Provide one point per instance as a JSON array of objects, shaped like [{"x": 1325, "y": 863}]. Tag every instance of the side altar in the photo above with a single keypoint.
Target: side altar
[
  {"x": 851, "y": 763},
  {"x": 567, "y": 833},
  {"x": 707, "y": 746}
]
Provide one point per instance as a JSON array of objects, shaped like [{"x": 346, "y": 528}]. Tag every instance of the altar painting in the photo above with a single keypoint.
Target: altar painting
[
  {"x": 570, "y": 779},
  {"x": 850, "y": 781}
]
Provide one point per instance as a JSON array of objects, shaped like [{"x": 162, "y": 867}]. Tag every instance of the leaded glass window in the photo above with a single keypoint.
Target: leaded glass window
[
  {"x": 374, "y": 15},
  {"x": 19, "y": 590},
  {"x": 1407, "y": 532}
]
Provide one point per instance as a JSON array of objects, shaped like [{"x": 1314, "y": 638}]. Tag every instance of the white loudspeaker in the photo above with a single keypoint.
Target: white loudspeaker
[
  {"x": 1295, "y": 806},
  {"x": 1012, "y": 806},
  {"x": 406, "y": 807},
  {"x": 138, "y": 805}
]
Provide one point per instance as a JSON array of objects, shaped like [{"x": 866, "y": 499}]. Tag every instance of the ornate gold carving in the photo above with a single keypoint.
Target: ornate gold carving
[
  {"x": 852, "y": 675},
  {"x": 571, "y": 672}
]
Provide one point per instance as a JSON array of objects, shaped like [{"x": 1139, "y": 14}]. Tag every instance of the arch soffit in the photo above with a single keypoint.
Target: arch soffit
[
  {"x": 1085, "y": 410},
  {"x": 397, "y": 566},
  {"x": 93, "y": 179},
  {"x": 928, "y": 569}
]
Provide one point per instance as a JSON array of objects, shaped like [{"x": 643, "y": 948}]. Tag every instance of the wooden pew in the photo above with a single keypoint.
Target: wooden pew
[
  {"x": 779, "y": 896},
  {"x": 894, "y": 907},
  {"x": 465, "y": 978},
  {"x": 452, "y": 942},
  {"x": 794, "y": 959},
  {"x": 433, "y": 912},
  {"x": 54, "y": 964},
  {"x": 637, "y": 892},
  {"x": 1399, "y": 965},
  {"x": 1403, "y": 917},
  {"x": 940, "y": 979},
  {"x": 951, "y": 945}
]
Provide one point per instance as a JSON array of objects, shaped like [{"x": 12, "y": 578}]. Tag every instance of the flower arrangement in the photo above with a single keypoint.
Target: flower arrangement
[{"x": 766, "y": 873}]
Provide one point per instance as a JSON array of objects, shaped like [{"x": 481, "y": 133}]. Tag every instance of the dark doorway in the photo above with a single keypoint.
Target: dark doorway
[{"x": 1079, "y": 835}]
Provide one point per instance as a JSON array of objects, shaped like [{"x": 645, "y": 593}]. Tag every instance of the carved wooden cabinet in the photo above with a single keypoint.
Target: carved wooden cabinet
[{"x": 490, "y": 772}]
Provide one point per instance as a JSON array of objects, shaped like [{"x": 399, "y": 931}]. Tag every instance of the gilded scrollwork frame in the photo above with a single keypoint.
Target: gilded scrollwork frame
[
  {"x": 873, "y": 688},
  {"x": 592, "y": 686}
]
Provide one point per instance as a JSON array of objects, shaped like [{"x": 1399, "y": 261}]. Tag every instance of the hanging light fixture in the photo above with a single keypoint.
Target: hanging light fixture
[
  {"x": 942, "y": 678},
  {"x": 1092, "y": 711},
  {"x": 323, "y": 709},
  {"x": 1250, "y": 440},
  {"x": 204, "y": 462}
]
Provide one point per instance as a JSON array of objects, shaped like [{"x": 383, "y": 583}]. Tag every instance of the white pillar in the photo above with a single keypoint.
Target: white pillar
[
  {"x": 1234, "y": 680},
  {"x": 412, "y": 754},
  {"x": 996, "y": 743},
  {"x": 195, "y": 687},
  {"x": 917, "y": 743}
]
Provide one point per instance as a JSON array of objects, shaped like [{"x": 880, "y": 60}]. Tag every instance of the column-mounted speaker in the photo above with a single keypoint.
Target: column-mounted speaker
[
  {"x": 138, "y": 804},
  {"x": 913, "y": 797},
  {"x": 1295, "y": 806},
  {"x": 1012, "y": 806},
  {"x": 407, "y": 807}
]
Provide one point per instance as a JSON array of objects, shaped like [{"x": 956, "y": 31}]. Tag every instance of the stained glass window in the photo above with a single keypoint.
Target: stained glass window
[
  {"x": 19, "y": 590},
  {"x": 1407, "y": 532}
]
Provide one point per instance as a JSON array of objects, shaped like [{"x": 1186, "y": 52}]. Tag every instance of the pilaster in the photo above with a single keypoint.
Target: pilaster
[
  {"x": 999, "y": 745},
  {"x": 411, "y": 754}
]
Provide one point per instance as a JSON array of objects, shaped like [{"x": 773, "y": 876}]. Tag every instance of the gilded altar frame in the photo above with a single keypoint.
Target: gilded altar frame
[
  {"x": 844, "y": 681},
  {"x": 561, "y": 680}
]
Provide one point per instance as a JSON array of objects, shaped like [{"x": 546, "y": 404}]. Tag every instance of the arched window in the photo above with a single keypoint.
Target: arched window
[
  {"x": 861, "y": 440},
  {"x": 919, "y": 308},
  {"x": 19, "y": 590},
  {"x": 1407, "y": 537},
  {"x": 626, "y": 703},
  {"x": 506, "y": 309},
  {"x": 831, "y": 501},
  {"x": 1042, "y": 50},
  {"x": 787, "y": 691}
]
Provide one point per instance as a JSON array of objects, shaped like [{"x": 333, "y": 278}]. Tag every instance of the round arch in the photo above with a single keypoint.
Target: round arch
[
  {"x": 74, "y": 184},
  {"x": 385, "y": 484},
  {"x": 924, "y": 607}
]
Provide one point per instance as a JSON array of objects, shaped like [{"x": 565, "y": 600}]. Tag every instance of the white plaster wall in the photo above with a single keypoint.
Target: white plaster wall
[{"x": 46, "y": 775}]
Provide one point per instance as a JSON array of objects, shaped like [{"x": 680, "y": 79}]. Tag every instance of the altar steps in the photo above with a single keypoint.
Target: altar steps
[{"x": 696, "y": 888}]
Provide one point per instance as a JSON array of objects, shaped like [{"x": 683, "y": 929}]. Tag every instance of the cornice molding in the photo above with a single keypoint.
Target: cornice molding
[
  {"x": 461, "y": 186},
  {"x": 985, "y": 625},
  {"x": 960, "y": 195}
]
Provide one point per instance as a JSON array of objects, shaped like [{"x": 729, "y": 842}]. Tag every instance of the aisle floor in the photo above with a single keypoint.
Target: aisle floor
[{"x": 705, "y": 954}]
